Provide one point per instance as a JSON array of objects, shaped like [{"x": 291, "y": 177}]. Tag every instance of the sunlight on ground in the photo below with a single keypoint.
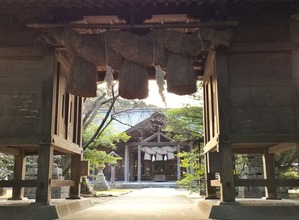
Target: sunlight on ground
[
  {"x": 116, "y": 190},
  {"x": 113, "y": 192}
]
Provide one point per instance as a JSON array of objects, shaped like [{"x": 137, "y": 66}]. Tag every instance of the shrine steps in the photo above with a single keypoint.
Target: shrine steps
[{"x": 149, "y": 184}]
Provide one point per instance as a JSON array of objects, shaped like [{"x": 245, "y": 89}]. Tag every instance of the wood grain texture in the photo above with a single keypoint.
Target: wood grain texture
[
  {"x": 263, "y": 120},
  {"x": 262, "y": 33},
  {"x": 260, "y": 69},
  {"x": 262, "y": 96},
  {"x": 264, "y": 182}
]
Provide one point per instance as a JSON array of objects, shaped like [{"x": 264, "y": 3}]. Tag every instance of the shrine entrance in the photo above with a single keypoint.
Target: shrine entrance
[{"x": 149, "y": 155}]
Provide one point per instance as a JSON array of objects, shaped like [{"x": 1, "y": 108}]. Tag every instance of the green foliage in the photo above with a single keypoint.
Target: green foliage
[
  {"x": 97, "y": 157},
  {"x": 240, "y": 162},
  {"x": 6, "y": 165},
  {"x": 285, "y": 160},
  {"x": 184, "y": 124},
  {"x": 108, "y": 138},
  {"x": 191, "y": 162},
  {"x": 290, "y": 174},
  {"x": 99, "y": 133}
]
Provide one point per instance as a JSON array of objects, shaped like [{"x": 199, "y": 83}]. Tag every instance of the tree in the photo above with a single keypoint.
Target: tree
[
  {"x": 91, "y": 113},
  {"x": 285, "y": 160},
  {"x": 102, "y": 126},
  {"x": 286, "y": 163},
  {"x": 97, "y": 157},
  {"x": 191, "y": 162},
  {"x": 186, "y": 125},
  {"x": 6, "y": 168},
  {"x": 89, "y": 117},
  {"x": 6, "y": 165},
  {"x": 108, "y": 137},
  {"x": 240, "y": 162}
]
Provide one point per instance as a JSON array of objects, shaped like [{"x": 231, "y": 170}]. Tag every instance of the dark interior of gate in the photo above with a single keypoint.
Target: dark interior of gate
[{"x": 53, "y": 53}]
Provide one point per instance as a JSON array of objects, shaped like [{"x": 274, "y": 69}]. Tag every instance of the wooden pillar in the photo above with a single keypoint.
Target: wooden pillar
[
  {"x": 192, "y": 161},
  {"x": 19, "y": 174},
  {"x": 178, "y": 163},
  {"x": 112, "y": 175},
  {"x": 223, "y": 112},
  {"x": 227, "y": 185},
  {"x": 269, "y": 174},
  {"x": 76, "y": 176},
  {"x": 44, "y": 173},
  {"x": 294, "y": 31},
  {"x": 139, "y": 164},
  {"x": 294, "y": 34},
  {"x": 132, "y": 162},
  {"x": 126, "y": 175},
  {"x": 211, "y": 166}
]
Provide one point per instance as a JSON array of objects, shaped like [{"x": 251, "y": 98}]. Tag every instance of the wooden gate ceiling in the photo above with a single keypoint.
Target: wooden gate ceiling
[
  {"x": 137, "y": 11},
  {"x": 115, "y": 12},
  {"x": 151, "y": 12},
  {"x": 203, "y": 9}
]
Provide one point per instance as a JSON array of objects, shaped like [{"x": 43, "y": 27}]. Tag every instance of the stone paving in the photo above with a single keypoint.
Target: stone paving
[{"x": 144, "y": 204}]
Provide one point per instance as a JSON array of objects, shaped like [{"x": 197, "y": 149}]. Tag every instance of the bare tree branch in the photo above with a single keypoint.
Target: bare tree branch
[
  {"x": 99, "y": 130},
  {"x": 102, "y": 130},
  {"x": 101, "y": 125},
  {"x": 119, "y": 121},
  {"x": 91, "y": 113}
]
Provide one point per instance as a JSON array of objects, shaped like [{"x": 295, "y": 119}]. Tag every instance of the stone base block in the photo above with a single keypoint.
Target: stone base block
[
  {"x": 250, "y": 209},
  {"x": 57, "y": 209}
]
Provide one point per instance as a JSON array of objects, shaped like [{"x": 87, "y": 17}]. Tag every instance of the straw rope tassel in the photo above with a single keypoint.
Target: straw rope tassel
[
  {"x": 109, "y": 72},
  {"x": 160, "y": 74}
]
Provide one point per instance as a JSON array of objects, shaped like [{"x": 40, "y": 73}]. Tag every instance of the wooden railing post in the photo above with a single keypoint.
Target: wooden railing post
[
  {"x": 269, "y": 173},
  {"x": 75, "y": 176},
  {"x": 19, "y": 174},
  {"x": 44, "y": 173}
]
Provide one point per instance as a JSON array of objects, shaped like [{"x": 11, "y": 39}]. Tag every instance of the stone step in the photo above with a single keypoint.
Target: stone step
[
  {"x": 249, "y": 209},
  {"x": 140, "y": 185},
  {"x": 17, "y": 210}
]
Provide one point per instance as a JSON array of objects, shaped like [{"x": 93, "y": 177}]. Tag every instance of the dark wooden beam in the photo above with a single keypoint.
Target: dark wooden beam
[
  {"x": 63, "y": 146},
  {"x": 260, "y": 182},
  {"x": 263, "y": 47},
  {"x": 32, "y": 183},
  {"x": 281, "y": 147},
  {"x": 10, "y": 150},
  {"x": 248, "y": 150},
  {"x": 214, "y": 24},
  {"x": 18, "y": 183},
  {"x": 265, "y": 182}
]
